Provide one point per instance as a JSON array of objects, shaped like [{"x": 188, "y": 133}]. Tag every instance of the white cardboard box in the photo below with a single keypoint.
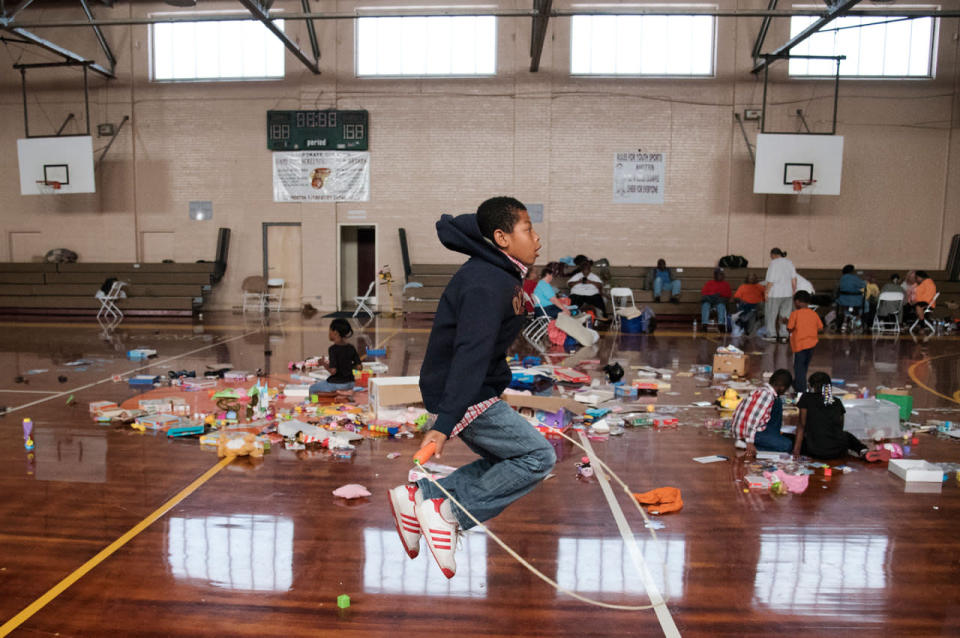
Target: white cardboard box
[
  {"x": 912, "y": 470},
  {"x": 390, "y": 391}
]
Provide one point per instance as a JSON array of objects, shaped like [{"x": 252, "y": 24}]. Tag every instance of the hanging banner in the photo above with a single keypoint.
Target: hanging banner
[
  {"x": 321, "y": 176},
  {"x": 638, "y": 178}
]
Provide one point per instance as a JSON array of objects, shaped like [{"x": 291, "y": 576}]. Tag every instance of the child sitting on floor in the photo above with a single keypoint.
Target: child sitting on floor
[
  {"x": 342, "y": 360},
  {"x": 820, "y": 432},
  {"x": 758, "y": 418}
]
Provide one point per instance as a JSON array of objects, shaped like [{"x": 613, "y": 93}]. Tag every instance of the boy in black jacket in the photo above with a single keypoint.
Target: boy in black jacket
[{"x": 464, "y": 371}]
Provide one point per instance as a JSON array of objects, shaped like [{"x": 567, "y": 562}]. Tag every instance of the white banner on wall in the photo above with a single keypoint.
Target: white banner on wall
[
  {"x": 639, "y": 178},
  {"x": 321, "y": 176}
]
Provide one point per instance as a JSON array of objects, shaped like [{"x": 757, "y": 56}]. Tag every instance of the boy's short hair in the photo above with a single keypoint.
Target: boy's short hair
[
  {"x": 498, "y": 213},
  {"x": 802, "y": 296},
  {"x": 922, "y": 274},
  {"x": 781, "y": 377},
  {"x": 847, "y": 269}
]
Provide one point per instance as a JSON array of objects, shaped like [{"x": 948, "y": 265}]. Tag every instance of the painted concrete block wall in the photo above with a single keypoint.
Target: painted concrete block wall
[{"x": 443, "y": 145}]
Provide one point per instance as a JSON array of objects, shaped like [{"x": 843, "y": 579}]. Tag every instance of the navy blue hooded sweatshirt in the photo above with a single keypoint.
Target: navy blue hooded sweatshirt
[{"x": 481, "y": 312}]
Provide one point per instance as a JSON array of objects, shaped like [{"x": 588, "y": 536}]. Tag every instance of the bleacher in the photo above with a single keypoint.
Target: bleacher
[
  {"x": 434, "y": 278},
  {"x": 68, "y": 289}
]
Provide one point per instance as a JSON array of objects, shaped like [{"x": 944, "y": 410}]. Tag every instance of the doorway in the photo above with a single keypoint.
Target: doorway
[
  {"x": 282, "y": 260},
  {"x": 357, "y": 261}
]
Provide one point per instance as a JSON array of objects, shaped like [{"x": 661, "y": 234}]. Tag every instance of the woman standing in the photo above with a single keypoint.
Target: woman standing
[{"x": 781, "y": 282}]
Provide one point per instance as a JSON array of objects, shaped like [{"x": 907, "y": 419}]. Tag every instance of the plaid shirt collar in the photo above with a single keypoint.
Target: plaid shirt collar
[{"x": 519, "y": 264}]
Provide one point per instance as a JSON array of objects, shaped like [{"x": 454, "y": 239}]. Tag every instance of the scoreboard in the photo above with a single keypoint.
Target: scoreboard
[{"x": 330, "y": 130}]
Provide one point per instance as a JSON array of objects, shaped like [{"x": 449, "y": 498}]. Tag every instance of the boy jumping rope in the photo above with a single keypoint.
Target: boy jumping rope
[{"x": 464, "y": 371}]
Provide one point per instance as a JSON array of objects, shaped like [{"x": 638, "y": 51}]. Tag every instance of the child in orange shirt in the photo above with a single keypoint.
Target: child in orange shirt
[{"x": 804, "y": 325}]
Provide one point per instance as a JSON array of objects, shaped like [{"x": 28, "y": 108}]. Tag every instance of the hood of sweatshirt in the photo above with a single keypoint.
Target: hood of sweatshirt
[{"x": 462, "y": 234}]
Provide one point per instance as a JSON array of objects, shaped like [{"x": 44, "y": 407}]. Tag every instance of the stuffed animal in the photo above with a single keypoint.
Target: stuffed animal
[{"x": 246, "y": 445}]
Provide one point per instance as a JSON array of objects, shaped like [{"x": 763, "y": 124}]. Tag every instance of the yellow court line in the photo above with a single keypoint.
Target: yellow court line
[
  {"x": 105, "y": 553},
  {"x": 913, "y": 377}
]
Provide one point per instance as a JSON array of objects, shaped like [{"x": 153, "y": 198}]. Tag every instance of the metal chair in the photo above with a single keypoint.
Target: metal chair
[
  {"x": 536, "y": 328},
  {"x": 928, "y": 311},
  {"x": 253, "y": 291},
  {"x": 889, "y": 323},
  {"x": 273, "y": 296},
  {"x": 616, "y": 307},
  {"x": 363, "y": 299},
  {"x": 110, "y": 315}
]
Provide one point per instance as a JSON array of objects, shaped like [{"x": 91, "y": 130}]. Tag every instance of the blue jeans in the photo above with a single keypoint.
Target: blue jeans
[
  {"x": 770, "y": 439},
  {"x": 325, "y": 386},
  {"x": 721, "y": 312},
  {"x": 658, "y": 286},
  {"x": 801, "y": 362},
  {"x": 514, "y": 458}
]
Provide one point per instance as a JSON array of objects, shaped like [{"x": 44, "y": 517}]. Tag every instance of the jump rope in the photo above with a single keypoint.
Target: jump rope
[{"x": 423, "y": 455}]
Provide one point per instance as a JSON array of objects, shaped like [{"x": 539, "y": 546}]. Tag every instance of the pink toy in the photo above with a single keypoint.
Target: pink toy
[{"x": 351, "y": 490}]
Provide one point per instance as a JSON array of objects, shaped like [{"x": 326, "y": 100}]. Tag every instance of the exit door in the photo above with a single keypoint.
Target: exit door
[{"x": 283, "y": 262}]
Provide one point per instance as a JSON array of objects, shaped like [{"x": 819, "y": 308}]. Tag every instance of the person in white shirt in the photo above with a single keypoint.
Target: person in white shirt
[
  {"x": 781, "y": 282},
  {"x": 804, "y": 284},
  {"x": 586, "y": 288}
]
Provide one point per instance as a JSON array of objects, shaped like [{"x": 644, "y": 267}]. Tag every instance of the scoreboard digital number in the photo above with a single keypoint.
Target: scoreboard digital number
[{"x": 330, "y": 130}]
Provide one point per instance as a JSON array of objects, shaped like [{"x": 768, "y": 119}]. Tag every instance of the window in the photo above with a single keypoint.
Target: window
[
  {"x": 642, "y": 45},
  {"x": 227, "y": 50},
  {"x": 875, "y": 46},
  {"x": 425, "y": 46}
]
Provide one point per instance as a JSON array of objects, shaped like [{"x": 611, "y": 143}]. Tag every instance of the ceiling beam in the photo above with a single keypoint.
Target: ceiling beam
[
  {"x": 258, "y": 12},
  {"x": 762, "y": 34},
  {"x": 837, "y": 9},
  {"x": 538, "y": 32},
  {"x": 15, "y": 10},
  {"x": 100, "y": 37},
  {"x": 58, "y": 50},
  {"x": 311, "y": 31}
]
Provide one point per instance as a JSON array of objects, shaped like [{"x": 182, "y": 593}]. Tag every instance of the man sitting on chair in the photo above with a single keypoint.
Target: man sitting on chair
[
  {"x": 925, "y": 294},
  {"x": 715, "y": 294}
]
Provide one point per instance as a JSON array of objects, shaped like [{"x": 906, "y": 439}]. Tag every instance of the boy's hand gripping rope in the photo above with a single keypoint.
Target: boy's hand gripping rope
[{"x": 423, "y": 455}]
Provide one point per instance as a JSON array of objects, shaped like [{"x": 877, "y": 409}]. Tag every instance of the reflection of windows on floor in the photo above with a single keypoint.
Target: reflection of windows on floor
[
  {"x": 243, "y": 551},
  {"x": 604, "y": 565},
  {"x": 388, "y": 570},
  {"x": 823, "y": 574}
]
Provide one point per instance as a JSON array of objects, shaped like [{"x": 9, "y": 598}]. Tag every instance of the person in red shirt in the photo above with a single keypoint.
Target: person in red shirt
[
  {"x": 804, "y": 325},
  {"x": 715, "y": 294}
]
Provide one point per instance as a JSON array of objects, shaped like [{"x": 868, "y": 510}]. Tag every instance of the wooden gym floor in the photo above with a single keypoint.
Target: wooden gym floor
[{"x": 201, "y": 548}]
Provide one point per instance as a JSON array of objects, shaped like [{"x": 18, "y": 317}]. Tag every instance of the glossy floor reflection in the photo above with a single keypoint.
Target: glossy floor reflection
[{"x": 265, "y": 549}]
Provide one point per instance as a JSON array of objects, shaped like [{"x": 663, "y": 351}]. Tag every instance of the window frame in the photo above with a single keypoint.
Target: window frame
[
  {"x": 712, "y": 74},
  {"x": 424, "y": 76},
  {"x": 260, "y": 78},
  {"x": 932, "y": 53}
]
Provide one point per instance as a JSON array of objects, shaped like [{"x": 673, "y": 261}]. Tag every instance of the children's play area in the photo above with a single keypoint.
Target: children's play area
[{"x": 516, "y": 319}]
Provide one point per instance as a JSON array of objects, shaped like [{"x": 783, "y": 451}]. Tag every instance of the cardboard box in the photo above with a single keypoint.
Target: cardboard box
[
  {"x": 729, "y": 363},
  {"x": 912, "y": 470},
  {"x": 547, "y": 404},
  {"x": 385, "y": 392}
]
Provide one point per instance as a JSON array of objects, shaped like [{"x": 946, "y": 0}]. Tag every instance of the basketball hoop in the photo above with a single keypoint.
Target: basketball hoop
[
  {"x": 800, "y": 184},
  {"x": 48, "y": 186}
]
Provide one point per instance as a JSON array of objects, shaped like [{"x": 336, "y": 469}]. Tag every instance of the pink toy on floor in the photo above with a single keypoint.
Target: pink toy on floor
[{"x": 794, "y": 484}]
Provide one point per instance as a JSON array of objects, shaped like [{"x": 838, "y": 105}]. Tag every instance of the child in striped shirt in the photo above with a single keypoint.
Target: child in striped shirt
[{"x": 758, "y": 418}]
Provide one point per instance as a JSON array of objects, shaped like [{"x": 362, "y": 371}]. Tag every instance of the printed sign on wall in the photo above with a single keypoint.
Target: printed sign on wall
[
  {"x": 638, "y": 178},
  {"x": 321, "y": 176}
]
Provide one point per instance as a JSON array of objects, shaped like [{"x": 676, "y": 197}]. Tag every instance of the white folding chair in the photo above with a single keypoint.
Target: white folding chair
[
  {"x": 618, "y": 297},
  {"x": 110, "y": 315},
  {"x": 363, "y": 299},
  {"x": 273, "y": 296},
  {"x": 888, "y": 324},
  {"x": 252, "y": 292},
  {"x": 536, "y": 328},
  {"x": 927, "y": 312}
]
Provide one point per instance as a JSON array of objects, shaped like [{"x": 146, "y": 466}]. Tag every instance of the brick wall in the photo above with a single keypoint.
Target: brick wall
[{"x": 443, "y": 146}]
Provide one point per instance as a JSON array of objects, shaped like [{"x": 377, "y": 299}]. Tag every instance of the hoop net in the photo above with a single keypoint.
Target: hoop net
[
  {"x": 800, "y": 184},
  {"x": 46, "y": 186}
]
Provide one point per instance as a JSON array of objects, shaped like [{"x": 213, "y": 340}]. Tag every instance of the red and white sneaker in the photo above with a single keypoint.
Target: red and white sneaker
[
  {"x": 440, "y": 530},
  {"x": 403, "y": 503}
]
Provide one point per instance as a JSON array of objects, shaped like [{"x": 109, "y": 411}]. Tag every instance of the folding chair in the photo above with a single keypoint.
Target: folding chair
[
  {"x": 536, "y": 328},
  {"x": 615, "y": 307},
  {"x": 889, "y": 323},
  {"x": 252, "y": 292},
  {"x": 273, "y": 295},
  {"x": 110, "y": 314},
  {"x": 363, "y": 299},
  {"x": 927, "y": 312}
]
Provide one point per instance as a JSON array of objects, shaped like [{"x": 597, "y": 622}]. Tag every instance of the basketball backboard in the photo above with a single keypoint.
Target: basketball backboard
[
  {"x": 56, "y": 165},
  {"x": 784, "y": 158}
]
